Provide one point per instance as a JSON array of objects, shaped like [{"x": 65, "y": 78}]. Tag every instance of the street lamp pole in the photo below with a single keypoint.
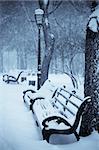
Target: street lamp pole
[
  {"x": 39, "y": 20},
  {"x": 39, "y": 59}
]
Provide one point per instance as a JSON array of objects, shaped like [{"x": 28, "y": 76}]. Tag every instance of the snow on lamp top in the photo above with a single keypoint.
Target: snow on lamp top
[
  {"x": 39, "y": 11},
  {"x": 94, "y": 21},
  {"x": 39, "y": 16}
]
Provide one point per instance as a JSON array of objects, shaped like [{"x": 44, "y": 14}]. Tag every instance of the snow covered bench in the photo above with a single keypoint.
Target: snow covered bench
[
  {"x": 11, "y": 79},
  {"x": 47, "y": 90},
  {"x": 60, "y": 114}
]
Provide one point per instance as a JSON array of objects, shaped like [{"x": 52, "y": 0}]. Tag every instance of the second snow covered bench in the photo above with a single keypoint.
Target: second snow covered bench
[{"x": 11, "y": 79}]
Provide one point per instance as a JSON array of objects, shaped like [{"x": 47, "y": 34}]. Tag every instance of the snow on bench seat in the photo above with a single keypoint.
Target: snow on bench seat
[
  {"x": 46, "y": 91},
  {"x": 43, "y": 109}
]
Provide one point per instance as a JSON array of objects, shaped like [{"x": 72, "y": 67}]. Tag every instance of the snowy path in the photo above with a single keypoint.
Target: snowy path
[{"x": 17, "y": 126}]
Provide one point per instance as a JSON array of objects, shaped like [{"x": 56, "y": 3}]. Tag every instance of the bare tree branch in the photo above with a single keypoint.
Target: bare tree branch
[{"x": 57, "y": 6}]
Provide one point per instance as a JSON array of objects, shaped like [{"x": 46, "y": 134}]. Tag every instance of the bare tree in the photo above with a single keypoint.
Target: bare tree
[
  {"x": 48, "y": 38},
  {"x": 49, "y": 41}
]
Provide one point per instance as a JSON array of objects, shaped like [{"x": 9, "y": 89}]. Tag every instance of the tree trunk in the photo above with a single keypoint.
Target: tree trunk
[
  {"x": 90, "y": 117},
  {"x": 1, "y": 61},
  {"x": 91, "y": 86},
  {"x": 46, "y": 61},
  {"x": 49, "y": 42}
]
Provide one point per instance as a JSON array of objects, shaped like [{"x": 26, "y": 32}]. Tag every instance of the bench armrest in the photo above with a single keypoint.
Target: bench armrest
[
  {"x": 35, "y": 99},
  {"x": 32, "y": 91},
  {"x": 58, "y": 120}
]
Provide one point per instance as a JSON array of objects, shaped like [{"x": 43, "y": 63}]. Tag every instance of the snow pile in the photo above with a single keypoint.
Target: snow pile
[
  {"x": 61, "y": 79},
  {"x": 94, "y": 21},
  {"x": 18, "y": 130},
  {"x": 86, "y": 143}
]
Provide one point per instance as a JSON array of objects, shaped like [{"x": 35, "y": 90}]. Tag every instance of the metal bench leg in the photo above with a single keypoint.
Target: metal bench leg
[
  {"x": 37, "y": 123},
  {"x": 76, "y": 135},
  {"x": 46, "y": 135},
  {"x": 31, "y": 108}
]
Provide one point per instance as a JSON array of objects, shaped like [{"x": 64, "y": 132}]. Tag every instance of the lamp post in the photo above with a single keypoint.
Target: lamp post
[{"x": 39, "y": 20}]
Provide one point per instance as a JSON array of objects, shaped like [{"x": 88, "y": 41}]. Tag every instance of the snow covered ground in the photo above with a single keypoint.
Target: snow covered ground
[{"x": 18, "y": 130}]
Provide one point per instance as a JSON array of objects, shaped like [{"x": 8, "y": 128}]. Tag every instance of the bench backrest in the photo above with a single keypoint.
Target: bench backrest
[{"x": 66, "y": 102}]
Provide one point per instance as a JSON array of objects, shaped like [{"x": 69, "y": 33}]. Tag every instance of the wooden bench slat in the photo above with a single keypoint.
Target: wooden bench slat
[
  {"x": 59, "y": 110},
  {"x": 72, "y": 94},
  {"x": 68, "y": 100},
  {"x": 65, "y": 106}
]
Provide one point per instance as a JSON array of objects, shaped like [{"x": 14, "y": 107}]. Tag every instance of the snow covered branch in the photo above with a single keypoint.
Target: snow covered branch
[{"x": 93, "y": 22}]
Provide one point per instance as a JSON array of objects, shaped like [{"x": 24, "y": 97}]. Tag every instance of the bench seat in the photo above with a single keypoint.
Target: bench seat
[
  {"x": 44, "y": 109},
  {"x": 46, "y": 91}
]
